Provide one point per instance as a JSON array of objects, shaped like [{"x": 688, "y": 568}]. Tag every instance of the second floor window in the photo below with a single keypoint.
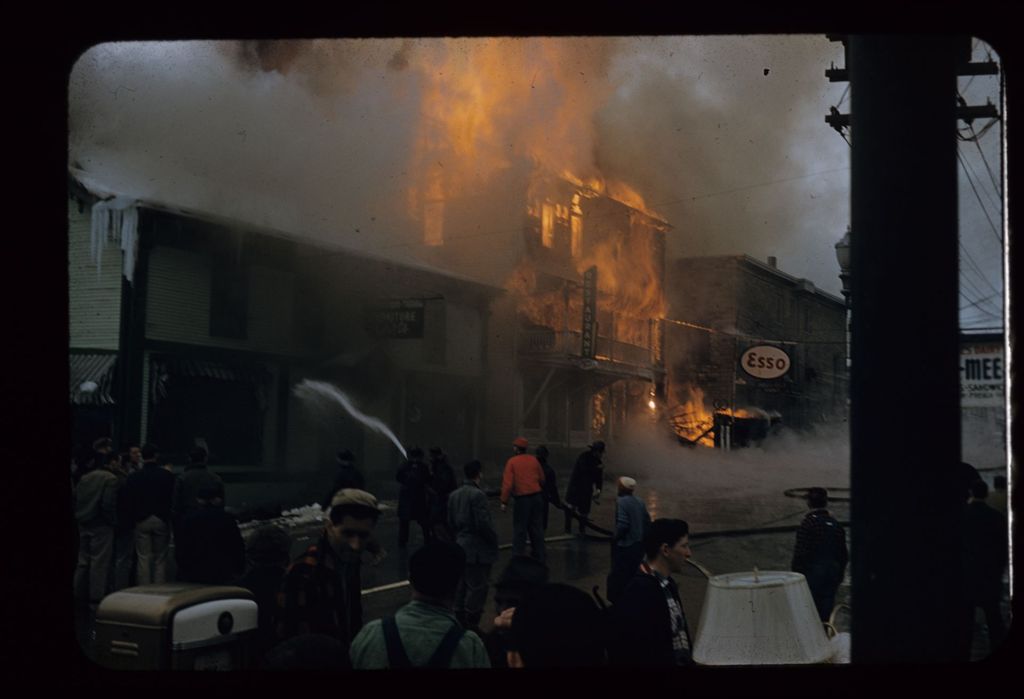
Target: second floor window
[{"x": 229, "y": 297}]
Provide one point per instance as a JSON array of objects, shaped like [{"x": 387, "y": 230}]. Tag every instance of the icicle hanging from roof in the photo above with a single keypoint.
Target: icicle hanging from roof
[{"x": 115, "y": 220}]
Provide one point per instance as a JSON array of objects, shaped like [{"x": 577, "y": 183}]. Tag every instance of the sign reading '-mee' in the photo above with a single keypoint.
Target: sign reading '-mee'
[{"x": 589, "y": 332}]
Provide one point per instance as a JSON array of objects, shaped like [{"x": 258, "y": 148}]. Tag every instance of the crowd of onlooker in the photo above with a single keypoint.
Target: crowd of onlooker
[{"x": 128, "y": 507}]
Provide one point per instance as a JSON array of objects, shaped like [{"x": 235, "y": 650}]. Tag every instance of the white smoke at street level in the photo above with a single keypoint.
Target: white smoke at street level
[
  {"x": 309, "y": 389},
  {"x": 742, "y": 477}
]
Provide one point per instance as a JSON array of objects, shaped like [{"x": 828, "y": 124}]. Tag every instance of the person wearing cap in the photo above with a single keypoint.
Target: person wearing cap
[
  {"x": 820, "y": 553},
  {"x": 631, "y": 523},
  {"x": 424, "y": 632},
  {"x": 585, "y": 484},
  {"x": 208, "y": 547},
  {"x": 523, "y": 480},
  {"x": 321, "y": 592}
]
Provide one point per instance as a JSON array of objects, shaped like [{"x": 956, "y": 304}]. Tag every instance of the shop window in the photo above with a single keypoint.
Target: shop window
[{"x": 229, "y": 415}]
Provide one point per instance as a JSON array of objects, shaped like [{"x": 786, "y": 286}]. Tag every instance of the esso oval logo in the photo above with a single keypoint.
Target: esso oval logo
[{"x": 765, "y": 362}]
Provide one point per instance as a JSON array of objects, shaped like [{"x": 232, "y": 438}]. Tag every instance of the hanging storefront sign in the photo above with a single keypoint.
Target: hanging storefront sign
[
  {"x": 401, "y": 321},
  {"x": 589, "y": 332},
  {"x": 765, "y": 362}
]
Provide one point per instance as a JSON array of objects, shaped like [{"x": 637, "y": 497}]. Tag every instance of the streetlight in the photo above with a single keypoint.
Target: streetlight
[{"x": 843, "y": 257}]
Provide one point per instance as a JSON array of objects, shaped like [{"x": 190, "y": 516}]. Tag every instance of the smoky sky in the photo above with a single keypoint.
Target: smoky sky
[{"x": 330, "y": 139}]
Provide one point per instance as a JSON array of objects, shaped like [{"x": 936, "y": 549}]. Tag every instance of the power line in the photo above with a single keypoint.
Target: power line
[
  {"x": 977, "y": 143},
  {"x": 984, "y": 209},
  {"x": 973, "y": 265},
  {"x": 974, "y": 304},
  {"x": 995, "y": 203}
]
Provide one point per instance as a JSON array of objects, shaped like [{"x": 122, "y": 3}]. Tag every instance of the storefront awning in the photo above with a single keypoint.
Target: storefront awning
[
  {"x": 92, "y": 378},
  {"x": 167, "y": 367}
]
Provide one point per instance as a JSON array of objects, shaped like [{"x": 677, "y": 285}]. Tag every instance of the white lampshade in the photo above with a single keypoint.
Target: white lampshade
[
  {"x": 843, "y": 253},
  {"x": 760, "y": 618}
]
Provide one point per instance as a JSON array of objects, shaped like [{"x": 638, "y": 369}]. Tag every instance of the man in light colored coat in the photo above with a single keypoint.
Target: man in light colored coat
[
  {"x": 96, "y": 514},
  {"x": 631, "y": 524},
  {"x": 469, "y": 518}
]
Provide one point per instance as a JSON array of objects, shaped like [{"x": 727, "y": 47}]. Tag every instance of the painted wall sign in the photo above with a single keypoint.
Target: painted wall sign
[
  {"x": 981, "y": 376},
  {"x": 765, "y": 362}
]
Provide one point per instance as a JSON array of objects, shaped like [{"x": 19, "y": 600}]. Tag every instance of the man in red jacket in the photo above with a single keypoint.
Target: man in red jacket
[{"x": 524, "y": 481}]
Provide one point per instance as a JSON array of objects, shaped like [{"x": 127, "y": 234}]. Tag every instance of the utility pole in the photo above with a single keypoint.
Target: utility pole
[{"x": 907, "y": 597}]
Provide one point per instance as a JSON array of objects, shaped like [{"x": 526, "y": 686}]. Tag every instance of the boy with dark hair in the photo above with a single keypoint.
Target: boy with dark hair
[
  {"x": 557, "y": 625},
  {"x": 649, "y": 625},
  {"x": 321, "y": 592},
  {"x": 424, "y": 632},
  {"x": 521, "y": 575}
]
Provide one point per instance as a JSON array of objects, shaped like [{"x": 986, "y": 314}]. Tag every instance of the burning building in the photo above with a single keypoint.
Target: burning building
[
  {"x": 749, "y": 345},
  {"x": 575, "y": 347}
]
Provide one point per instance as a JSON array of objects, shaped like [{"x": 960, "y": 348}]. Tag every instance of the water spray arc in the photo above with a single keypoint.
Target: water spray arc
[{"x": 308, "y": 389}]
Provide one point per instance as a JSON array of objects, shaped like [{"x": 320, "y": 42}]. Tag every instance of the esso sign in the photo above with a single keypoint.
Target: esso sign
[{"x": 765, "y": 362}]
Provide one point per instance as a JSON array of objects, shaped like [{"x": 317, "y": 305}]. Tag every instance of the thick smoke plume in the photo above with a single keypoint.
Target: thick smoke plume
[{"x": 346, "y": 140}]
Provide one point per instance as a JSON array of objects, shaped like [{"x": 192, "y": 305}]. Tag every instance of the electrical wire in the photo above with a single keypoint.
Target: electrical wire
[
  {"x": 997, "y": 204},
  {"x": 995, "y": 185},
  {"x": 984, "y": 209}
]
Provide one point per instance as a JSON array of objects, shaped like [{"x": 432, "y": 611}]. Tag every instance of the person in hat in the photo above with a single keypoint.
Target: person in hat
[
  {"x": 523, "y": 480},
  {"x": 631, "y": 523},
  {"x": 820, "y": 553},
  {"x": 413, "y": 475},
  {"x": 346, "y": 476},
  {"x": 424, "y": 632},
  {"x": 321, "y": 592},
  {"x": 521, "y": 575},
  {"x": 585, "y": 483}
]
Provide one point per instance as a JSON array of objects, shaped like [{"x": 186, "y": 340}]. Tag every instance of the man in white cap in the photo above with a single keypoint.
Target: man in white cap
[
  {"x": 631, "y": 524},
  {"x": 321, "y": 592}
]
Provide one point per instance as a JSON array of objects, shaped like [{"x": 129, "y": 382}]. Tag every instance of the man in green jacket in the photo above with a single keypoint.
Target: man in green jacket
[
  {"x": 469, "y": 518},
  {"x": 425, "y": 632},
  {"x": 96, "y": 514}
]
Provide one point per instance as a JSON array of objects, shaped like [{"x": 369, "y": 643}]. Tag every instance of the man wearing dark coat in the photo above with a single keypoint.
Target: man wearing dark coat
[
  {"x": 585, "y": 484},
  {"x": 413, "y": 475},
  {"x": 321, "y": 592},
  {"x": 347, "y": 476},
  {"x": 469, "y": 518},
  {"x": 986, "y": 535},
  {"x": 209, "y": 548},
  {"x": 550, "y": 484},
  {"x": 820, "y": 553},
  {"x": 649, "y": 625},
  {"x": 442, "y": 484}
]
